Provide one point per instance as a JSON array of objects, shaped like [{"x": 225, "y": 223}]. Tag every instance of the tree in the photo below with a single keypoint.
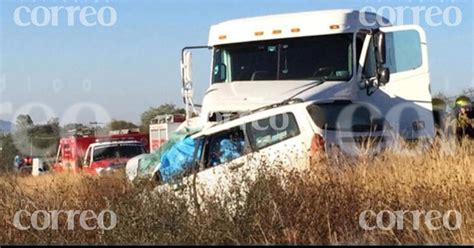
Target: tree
[
  {"x": 45, "y": 138},
  {"x": 24, "y": 121},
  {"x": 469, "y": 92},
  {"x": 163, "y": 109},
  {"x": 39, "y": 140},
  {"x": 76, "y": 128},
  {"x": 442, "y": 96},
  {"x": 120, "y": 124},
  {"x": 53, "y": 121},
  {"x": 72, "y": 126},
  {"x": 7, "y": 153}
]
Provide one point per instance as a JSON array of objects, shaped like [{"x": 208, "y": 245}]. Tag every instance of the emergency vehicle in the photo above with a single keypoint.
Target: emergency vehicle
[
  {"x": 89, "y": 152},
  {"x": 161, "y": 128},
  {"x": 111, "y": 155}
]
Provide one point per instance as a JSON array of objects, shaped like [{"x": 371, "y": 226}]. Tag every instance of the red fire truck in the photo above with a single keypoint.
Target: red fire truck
[
  {"x": 161, "y": 128},
  {"x": 94, "y": 154}
]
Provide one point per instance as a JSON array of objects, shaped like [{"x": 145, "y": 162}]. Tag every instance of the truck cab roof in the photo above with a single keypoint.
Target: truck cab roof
[{"x": 291, "y": 25}]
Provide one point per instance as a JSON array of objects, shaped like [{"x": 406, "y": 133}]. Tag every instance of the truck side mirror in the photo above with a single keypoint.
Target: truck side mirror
[
  {"x": 383, "y": 75},
  {"x": 380, "y": 54},
  {"x": 186, "y": 67}
]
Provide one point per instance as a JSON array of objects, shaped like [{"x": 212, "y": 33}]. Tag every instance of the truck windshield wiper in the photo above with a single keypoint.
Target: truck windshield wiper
[{"x": 311, "y": 85}]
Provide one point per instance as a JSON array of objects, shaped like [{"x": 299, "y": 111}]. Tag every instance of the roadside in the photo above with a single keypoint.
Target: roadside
[{"x": 322, "y": 206}]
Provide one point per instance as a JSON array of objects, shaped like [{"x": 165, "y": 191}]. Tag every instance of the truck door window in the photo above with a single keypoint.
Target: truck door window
[
  {"x": 272, "y": 130},
  {"x": 403, "y": 50},
  {"x": 370, "y": 67},
  {"x": 225, "y": 146},
  {"x": 221, "y": 61}
]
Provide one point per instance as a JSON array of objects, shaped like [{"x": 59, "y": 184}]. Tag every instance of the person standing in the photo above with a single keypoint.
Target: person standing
[
  {"x": 464, "y": 117},
  {"x": 17, "y": 163}
]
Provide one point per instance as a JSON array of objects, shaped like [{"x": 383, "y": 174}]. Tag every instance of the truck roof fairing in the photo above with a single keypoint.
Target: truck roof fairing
[{"x": 293, "y": 25}]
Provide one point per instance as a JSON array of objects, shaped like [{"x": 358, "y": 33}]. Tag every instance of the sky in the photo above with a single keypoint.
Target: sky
[{"x": 124, "y": 69}]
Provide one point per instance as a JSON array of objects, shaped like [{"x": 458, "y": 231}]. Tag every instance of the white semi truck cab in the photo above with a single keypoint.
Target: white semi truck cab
[{"x": 330, "y": 54}]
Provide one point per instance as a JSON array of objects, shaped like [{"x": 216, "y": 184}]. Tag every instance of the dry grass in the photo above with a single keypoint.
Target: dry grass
[{"x": 318, "y": 207}]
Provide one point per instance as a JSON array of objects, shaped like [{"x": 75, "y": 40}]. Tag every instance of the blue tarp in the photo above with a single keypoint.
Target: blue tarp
[
  {"x": 150, "y": 162},
  {"x": 177, "y": 155},
  {"x": 178, "y": 159}
]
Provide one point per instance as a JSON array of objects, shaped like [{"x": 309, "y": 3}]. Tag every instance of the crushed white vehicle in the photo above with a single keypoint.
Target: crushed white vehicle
[{"x": 281, "y": 138}]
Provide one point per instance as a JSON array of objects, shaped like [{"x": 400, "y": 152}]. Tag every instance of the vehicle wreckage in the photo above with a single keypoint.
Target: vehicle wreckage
[{"x": 287, "y": 86}]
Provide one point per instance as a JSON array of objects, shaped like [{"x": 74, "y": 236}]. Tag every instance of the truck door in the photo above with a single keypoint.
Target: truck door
[{"x": 405, "y": 100}]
